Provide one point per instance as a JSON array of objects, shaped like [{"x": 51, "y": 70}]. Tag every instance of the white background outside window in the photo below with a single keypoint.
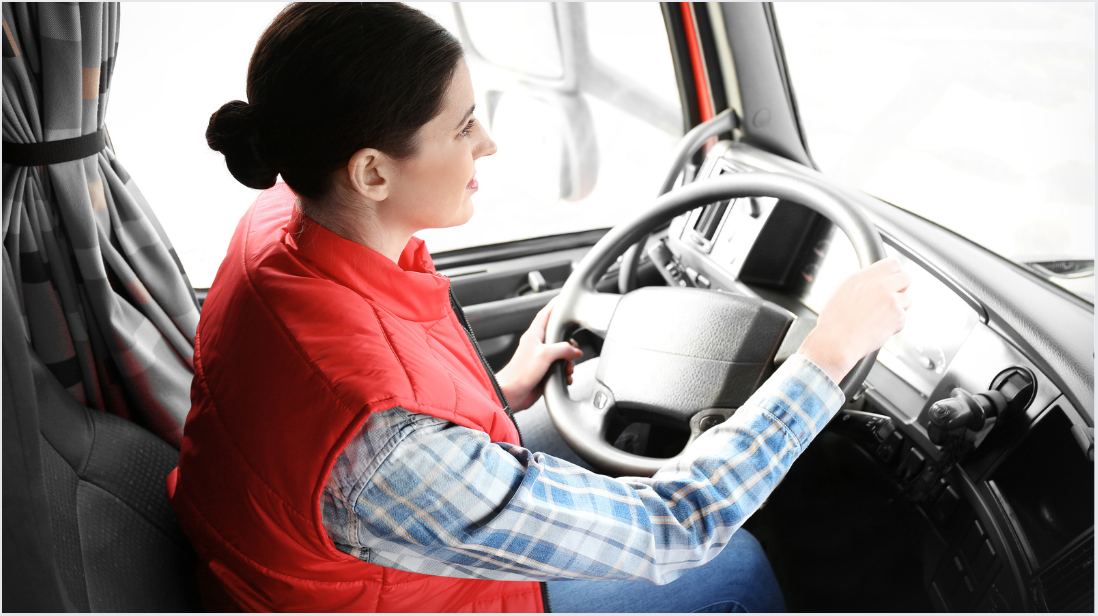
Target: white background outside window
[
  {"x": 978, "y": 116},
  {"x": 179, "y": 62}
]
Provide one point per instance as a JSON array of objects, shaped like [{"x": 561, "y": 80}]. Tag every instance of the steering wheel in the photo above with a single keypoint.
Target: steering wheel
[{"x": 684, "y": 356}]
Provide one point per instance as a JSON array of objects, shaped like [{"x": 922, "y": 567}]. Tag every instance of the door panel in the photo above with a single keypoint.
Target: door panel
[
  {"x": 502, "y": 287},
  {"x": 501, "y": 297}
]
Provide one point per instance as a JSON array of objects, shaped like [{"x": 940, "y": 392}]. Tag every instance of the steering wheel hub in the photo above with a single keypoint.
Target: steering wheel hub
[{"x": 677, "y": 351}]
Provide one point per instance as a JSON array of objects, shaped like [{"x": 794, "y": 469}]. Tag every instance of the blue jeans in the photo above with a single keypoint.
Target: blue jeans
[{"x": 739, "y": 579}]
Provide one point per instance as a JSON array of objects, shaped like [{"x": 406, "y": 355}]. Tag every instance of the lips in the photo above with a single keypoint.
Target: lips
[{"x": 472, "y": 185}]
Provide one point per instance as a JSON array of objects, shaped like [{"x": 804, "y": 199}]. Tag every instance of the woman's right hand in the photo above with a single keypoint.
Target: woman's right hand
[{"x": 866, "y": 310}]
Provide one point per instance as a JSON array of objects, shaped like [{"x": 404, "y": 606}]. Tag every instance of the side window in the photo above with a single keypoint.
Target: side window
[
  {"x": 177, "y": 64},
  {"x": 582, "y": 102},
  {"x": 581, "y": 99}
]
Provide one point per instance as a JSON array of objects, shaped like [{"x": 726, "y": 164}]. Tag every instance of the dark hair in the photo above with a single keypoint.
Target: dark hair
[{"x": 327, "y": 80}]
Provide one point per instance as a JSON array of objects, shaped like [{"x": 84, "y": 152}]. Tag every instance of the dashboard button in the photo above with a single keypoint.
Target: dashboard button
[
  {"x": 600, "y": 400},
  {"x": 911, "y": 464},
  {"x": 945, "y": 505},
  {"x": 887, "y": 450},
  {"x": 971, "y": 544},
  {"x": 983, "y": 562}
]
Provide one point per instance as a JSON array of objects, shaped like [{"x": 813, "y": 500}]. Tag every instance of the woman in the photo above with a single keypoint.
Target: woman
[{"x": 348, "y": 449}]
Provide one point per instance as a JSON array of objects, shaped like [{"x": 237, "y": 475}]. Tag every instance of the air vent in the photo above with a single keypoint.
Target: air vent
[
  {"x": 1068, "y": 583},
  {"x": 710, "y": 220}
]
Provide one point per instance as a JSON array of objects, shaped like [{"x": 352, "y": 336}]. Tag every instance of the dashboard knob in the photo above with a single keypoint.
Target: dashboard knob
[
  {"x": 963, "y": 411},
  {"x": 949, "y": 414}
]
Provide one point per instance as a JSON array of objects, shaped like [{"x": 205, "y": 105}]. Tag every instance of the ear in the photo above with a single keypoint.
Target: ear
[{"x": 369, "y": 173}]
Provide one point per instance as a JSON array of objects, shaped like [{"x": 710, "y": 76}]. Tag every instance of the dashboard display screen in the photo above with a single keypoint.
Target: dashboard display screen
[{"x": 937, "y": 322}]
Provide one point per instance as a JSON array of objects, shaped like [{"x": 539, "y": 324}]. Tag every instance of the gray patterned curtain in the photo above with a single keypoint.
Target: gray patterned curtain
[{"x": 105, "y": 302}]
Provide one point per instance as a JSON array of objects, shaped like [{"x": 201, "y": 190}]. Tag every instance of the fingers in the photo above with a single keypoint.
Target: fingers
[
  {"x": 890, "y": 272},
  {"x": 541, "y": 319},
  {"x": 561, "y": 350},
  {"x": 898, "y": 281},
  {"x": 543, "y": 314},
  {"x": 888, "y": 265},
  {"x": 905, "y": 300}
]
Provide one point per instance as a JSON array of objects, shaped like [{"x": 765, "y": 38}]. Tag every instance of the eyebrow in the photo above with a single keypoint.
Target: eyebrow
[{"x": 465, "y": 118}]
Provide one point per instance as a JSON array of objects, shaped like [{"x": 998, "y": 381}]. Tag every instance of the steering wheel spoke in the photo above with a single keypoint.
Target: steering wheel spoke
[
  {"x": 706, "y": 420},
  {"x": 593, "y": 311}
]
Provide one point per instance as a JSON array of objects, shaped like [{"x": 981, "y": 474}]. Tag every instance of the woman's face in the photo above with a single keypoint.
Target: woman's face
[{"x": 435, "y": 187}]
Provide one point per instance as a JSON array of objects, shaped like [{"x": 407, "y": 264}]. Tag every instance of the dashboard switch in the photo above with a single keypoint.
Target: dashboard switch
[
  {"x": 911, "y": 464},
  {"x": 983, "y": 561},
  {"x": 945, "y": 505},
  {"x": 887, "y": 450},
  {"x": 973, "y": 538},
  {"x": 668, "y": 265}
]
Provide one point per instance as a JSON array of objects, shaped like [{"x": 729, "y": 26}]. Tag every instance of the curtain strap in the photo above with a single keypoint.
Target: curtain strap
[{"x": 54, "y": 152}]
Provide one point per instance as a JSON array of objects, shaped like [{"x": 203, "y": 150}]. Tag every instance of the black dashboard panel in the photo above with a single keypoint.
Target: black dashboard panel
[{"x": 1011, "y": 526}]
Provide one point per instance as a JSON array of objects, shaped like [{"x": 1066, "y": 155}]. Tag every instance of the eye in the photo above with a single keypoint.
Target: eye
[{"x": 468, "y": 127}]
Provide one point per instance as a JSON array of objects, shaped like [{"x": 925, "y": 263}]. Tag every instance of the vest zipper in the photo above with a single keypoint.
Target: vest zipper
[
  {"x": 499, "y": 392},
  {"x": 491, "y": 375}
]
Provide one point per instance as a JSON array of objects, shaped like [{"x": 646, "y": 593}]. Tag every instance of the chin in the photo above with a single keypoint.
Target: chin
[{"x": 464, "y": 213}]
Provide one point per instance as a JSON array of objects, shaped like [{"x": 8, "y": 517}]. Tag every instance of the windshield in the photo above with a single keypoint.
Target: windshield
[{"x": 979, "y": 117}]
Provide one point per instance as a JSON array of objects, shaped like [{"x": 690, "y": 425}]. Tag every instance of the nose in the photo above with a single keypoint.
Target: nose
[{"x": 487, "y": 147}]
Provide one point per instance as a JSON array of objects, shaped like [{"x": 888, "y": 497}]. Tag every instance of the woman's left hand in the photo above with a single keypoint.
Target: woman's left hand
[{"x": 523, "y": 379}]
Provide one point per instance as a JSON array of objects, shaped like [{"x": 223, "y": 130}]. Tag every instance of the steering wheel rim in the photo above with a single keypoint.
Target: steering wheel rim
[{"x": 582, "y": 423}]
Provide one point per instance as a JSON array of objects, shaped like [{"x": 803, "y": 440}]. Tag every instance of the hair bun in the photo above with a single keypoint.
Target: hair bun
[{"x": 234, "y": 133}]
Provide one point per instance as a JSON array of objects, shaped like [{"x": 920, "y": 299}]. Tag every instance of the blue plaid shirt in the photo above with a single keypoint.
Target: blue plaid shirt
[{"x": 421, "y": 494}]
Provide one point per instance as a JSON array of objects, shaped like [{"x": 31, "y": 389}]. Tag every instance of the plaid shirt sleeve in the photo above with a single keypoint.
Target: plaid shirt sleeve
[{"x": 416, "y": 493}]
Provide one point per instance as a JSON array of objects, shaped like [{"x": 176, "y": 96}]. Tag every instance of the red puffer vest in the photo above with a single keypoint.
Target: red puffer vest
[{"x": 302, "y": 336}]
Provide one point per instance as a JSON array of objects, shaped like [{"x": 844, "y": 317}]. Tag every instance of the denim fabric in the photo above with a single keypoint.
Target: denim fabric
[{"x": 739, "y": 579}]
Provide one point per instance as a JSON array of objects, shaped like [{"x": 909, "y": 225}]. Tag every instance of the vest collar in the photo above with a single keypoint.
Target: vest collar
[{"x": 411, "y": 288}]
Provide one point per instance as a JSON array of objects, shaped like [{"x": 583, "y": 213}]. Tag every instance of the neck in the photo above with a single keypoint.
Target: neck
[{"x": 361, "y": 225}]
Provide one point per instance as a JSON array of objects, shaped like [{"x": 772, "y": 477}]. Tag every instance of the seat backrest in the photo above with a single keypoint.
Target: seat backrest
[{"x": 117, "y": 544}]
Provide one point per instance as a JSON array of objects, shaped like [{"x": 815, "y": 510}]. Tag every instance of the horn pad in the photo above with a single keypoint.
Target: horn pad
[{"x": 676, "y": 351}]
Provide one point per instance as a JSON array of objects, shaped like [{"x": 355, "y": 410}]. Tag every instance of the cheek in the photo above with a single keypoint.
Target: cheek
[
  {"x": 437, "y": 187},
  {"x": 458, "y": 171}
]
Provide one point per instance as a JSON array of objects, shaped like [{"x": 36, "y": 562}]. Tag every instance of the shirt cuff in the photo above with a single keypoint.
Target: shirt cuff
[{"x": 801, "y": 396}]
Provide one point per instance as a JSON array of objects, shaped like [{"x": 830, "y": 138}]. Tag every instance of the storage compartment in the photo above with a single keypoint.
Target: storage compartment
[{"x": 1048, "y": 484}]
